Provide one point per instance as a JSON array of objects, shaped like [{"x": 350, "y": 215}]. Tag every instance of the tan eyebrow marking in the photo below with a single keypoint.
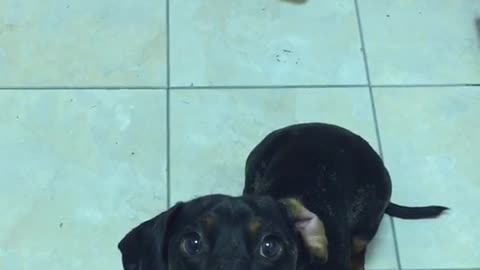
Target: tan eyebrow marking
[
  {"x": 208, "y": 221},
  {"x": 254, "y": 226}
]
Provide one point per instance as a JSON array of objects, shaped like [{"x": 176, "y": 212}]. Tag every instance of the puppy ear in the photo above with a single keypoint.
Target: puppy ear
[
  {"x": 310, "y": 227},
  {"x": 145, "y": 247}
]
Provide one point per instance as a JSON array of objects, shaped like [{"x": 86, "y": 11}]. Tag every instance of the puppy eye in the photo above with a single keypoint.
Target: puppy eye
[
  {"x": 192, "y": 243},
  {"x": 271, "y": 247}
]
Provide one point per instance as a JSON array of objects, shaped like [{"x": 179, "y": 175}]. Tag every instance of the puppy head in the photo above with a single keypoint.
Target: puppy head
[{"x": 214, "y": 232}]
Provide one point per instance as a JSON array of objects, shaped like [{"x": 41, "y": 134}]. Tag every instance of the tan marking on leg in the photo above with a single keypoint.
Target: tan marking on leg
[
  {"x": 358, "y": 245},
  {"x": 293, "y": 206},
  {"x": 358, "y": 261},
  {"x": 359, "y": 248},
  {"x": 314, "y": 236}
]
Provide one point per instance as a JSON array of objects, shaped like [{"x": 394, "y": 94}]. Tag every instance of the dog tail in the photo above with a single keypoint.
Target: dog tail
[{"x": 406, "y": 212}]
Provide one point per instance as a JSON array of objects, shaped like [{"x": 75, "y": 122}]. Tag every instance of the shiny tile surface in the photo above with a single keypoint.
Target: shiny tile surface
[
  {"x": 112, "y": 110},
  {"x": 82, "y": 43},
  {"x": 422, "y": 41},
  {"x": 430, "y": 143},
  {"x": 251, "y": 42},
  {"x": 79, "y": 170}
]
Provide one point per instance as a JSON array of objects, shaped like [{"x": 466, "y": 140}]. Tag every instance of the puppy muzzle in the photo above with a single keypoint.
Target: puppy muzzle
[{"x": 229, "y": 263}]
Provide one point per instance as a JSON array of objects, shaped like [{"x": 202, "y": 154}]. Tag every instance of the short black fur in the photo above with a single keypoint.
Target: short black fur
[
  {"x": 337, "y": 175},
  {"x": 229, "y": 232}
]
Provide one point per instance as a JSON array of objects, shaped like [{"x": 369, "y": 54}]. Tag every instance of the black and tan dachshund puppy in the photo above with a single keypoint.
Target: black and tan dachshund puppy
[
  {"x": 218, "y": 232},
  {"x": 339, "y": 178}
]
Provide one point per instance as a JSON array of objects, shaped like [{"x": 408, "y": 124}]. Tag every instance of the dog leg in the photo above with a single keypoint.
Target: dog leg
[{"x": 359, "y": 248}]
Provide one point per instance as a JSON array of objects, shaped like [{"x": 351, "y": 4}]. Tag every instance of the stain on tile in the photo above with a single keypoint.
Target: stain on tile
[
  {"x": 287, "y": 56},
  {"x": 296, "y": 2},
  {"x": 226, "y": 54},
  {"x": 477, "y": 29}
]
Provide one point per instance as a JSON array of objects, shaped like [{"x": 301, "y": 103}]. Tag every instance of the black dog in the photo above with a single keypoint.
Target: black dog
[
  {"x": 218, "y": 232},
  {"x": 336, "y": 175}
]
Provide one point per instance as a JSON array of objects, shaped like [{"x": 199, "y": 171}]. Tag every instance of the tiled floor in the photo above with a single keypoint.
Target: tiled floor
[{"x": 111, "y": 110}]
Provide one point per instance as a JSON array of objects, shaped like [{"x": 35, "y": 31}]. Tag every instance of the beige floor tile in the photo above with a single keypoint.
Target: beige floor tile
[
  {"x": 82, "y": 43},
  {"x": 251, "y": 42},
  {"x": 422, "y": 41},
  {"x": 430, "y": 143},
  {"x": 79, "y": 170}
]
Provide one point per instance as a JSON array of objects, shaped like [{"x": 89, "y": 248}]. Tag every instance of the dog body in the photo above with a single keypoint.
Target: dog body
[
  {"x": 314, "y": 197},
  {"x": 218, "y": 232},
  {"x": 336, "y": 175}
]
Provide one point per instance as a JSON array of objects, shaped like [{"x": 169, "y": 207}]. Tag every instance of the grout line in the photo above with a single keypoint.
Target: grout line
[
  {"x": 425, "y": 85},
  {"x": 367, "y": 74},
  {"x": 168, "y": 150},
  {"x": 380, "y": 149},
  {"x": 375, "y": 119},
  {"x": 266, "y": 86},
  {"x": 442, "y": 269},
  {"x": 362, "y": 43},
  {"x": 427, "y": 269},
  {"x": 167, "y": 14},
  {"x": 395, "y": 242},
  {"x": 66, "y": 88},
  {"x": 306, "y": 86}
]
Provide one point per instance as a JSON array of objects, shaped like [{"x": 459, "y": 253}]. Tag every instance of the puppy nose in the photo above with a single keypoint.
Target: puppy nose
[{"x": 231, "y": 264}]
